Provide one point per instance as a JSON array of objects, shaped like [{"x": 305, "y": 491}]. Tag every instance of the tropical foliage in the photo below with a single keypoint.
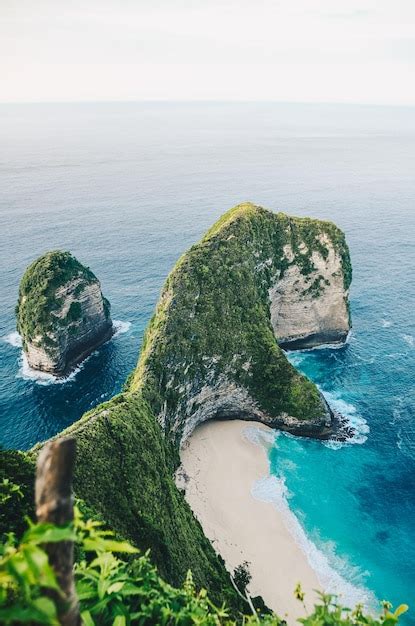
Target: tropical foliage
[{"x": 118, "y": 586}]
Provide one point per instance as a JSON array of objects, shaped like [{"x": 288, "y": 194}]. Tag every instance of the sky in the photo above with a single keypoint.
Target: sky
[{"x": 359, "y": 51}]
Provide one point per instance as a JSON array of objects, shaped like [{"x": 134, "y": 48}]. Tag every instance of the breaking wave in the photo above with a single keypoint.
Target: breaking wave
[
  {"x": 120, "y": 327},
  {"x": 335, "y": 574},
  {"x": 43, "y": 378},
  {"x": 14, "y": 339},
  {"x": 349, "y": 412},
  {"x": 409, "y": 339}
]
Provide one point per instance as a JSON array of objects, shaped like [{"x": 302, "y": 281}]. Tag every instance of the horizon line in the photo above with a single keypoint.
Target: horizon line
[{"x": 210, "y": 101}]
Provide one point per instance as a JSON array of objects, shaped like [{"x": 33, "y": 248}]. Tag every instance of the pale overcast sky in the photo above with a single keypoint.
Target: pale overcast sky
[{"x": 289, "y": 50}]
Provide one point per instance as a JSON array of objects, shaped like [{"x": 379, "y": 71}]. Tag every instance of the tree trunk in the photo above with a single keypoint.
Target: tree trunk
[{"x": 54, "y": 505}]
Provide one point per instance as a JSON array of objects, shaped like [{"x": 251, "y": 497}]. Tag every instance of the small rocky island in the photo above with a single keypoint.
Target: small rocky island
[{"x": 61, "y": 313}]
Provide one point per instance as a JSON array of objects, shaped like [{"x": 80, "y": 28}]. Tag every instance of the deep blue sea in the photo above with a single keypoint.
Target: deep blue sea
[{"x": 128, "y": 187}]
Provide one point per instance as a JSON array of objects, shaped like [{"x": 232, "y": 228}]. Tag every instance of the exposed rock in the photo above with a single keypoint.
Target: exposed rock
[
  {"x": 62, "y": 315},
  {"x": 256, "y": 281},
  {"x": 310, "y": 310}
]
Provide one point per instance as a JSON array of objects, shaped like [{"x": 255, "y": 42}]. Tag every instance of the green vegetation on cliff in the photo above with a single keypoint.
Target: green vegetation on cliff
[
  {"x": 212, "y": 324},
  {"x": 124, "y": 471},
  {"x": 213, "y": 319},
  {"x": 37, "y": 300}
]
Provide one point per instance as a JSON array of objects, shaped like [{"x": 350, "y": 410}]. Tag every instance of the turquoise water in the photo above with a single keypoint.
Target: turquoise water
[{"x": 128, "y": 187}]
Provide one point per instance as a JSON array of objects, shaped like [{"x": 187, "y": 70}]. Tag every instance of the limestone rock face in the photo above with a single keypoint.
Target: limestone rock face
[
  {"x": 310, "y": 310},
  {"x": 257, "y": 282},
  {"x": 62, "y": 315}
]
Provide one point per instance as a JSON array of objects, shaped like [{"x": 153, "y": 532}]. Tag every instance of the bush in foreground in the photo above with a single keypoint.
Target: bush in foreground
[{"x": 115, "y": 591}]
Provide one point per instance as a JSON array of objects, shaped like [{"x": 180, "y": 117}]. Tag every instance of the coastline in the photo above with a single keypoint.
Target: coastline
[
  {"x": 119, "y": 327},
  {"x": 220, "y": 467}
]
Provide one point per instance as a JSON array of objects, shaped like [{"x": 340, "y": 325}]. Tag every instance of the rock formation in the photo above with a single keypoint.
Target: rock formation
[
  {"x": 211, "y": 351},
  {"x": 310, "y": 309},
  {"x": 256, "y": 280},
  {"x": 62, "y": 315}
]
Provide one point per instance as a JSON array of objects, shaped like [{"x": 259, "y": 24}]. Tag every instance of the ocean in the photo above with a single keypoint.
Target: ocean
[{"x": 129, "y": 187}]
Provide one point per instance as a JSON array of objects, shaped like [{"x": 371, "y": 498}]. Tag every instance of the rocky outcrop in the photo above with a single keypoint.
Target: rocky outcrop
[
  {"x": 257, "y": 281},
  {"x": 62, "y": 315},
  {"x": 310, "y": 310}
]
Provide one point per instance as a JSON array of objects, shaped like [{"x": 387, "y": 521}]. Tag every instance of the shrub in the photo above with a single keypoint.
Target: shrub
[{"x": 121, "y": 592}]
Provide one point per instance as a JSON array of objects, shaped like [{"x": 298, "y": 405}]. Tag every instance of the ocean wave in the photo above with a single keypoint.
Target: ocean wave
[
  {"x": 259, "y": 436},
  {"x": 406, "y": 442},
  {"x": 403, "y": 419},
  {"x": 335, "y": 574},
  {"x": 349, "y": 411},
  {"x": 43, "y": 378},
  {"x": 14, "y": 339},
  {"x": 120, "y": 327},
  {"x": 386, "y": 323},
  {"x": 409, "y": 339}
]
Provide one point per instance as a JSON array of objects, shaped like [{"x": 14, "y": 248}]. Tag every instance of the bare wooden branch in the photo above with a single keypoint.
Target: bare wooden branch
[
  {"x": 247, "y": 598},
  {"x": 54, "y": 504}
]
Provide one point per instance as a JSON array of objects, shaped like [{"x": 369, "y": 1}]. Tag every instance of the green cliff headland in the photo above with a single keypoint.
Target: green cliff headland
[{"x": 211, "y": 351}]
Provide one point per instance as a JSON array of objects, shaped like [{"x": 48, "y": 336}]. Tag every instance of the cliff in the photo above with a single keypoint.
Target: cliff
[
  {"x": 61, "y": 313},
  {"x": 211, "y": 351},
  {"x": 255, "y": 280}
]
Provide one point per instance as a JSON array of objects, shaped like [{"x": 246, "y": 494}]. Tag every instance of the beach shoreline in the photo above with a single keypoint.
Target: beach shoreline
[{"x": 219, "y": 470}]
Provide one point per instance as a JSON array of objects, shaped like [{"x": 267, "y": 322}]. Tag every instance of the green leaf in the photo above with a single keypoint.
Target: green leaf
[
  {"x": 108, "y": 545},
  {"x": 47, "y": 607},
  {"x": 401, "y": 609},
  {"x": 86, "y": 618},
  {"x": 38, "y": 561},
  {"x": 119, "y": 621},
  {"x": 48, "y": 533},
  {"x": 115, "y": 587}
]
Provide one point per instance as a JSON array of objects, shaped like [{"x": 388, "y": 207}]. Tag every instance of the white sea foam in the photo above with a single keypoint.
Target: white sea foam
[
  {"x": 404, "y": 425},
  {"x": 386, "y": 323},
  {"x": 409, "y": 339},
  {"x": 43, "y": 378},
  {"x": 335, "y": 574},
  {"x": 349, "y": 411},
  {"x": 260, "y": 437},
  {"x": 14, "y": 339},
  {"x": 120, "y": 327}
]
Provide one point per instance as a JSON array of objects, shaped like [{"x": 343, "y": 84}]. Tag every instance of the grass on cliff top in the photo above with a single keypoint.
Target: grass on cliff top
[{"x": 37, "y": 299}]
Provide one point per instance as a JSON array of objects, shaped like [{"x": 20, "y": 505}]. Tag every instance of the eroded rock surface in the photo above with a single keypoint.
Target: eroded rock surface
[
  {"x": 256, "y": 282},
  {"x": 310, "y": 310},
  {"x": 62, "y": 315}
]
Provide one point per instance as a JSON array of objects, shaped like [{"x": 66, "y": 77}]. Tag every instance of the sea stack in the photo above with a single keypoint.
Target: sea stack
[{"x": 61, "y": 313}]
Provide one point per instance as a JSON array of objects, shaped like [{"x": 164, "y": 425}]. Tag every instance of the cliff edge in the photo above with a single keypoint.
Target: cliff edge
[
  {"x": 257, "y": 281},
  {"x": 61, "y": 313}
]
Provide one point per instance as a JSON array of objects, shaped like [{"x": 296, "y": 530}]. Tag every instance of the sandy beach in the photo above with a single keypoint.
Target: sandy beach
[{"x": 219, "y": 469}]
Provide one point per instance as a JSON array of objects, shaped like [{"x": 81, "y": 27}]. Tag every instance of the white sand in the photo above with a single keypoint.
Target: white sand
[{"x": 219, "y": 468}]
